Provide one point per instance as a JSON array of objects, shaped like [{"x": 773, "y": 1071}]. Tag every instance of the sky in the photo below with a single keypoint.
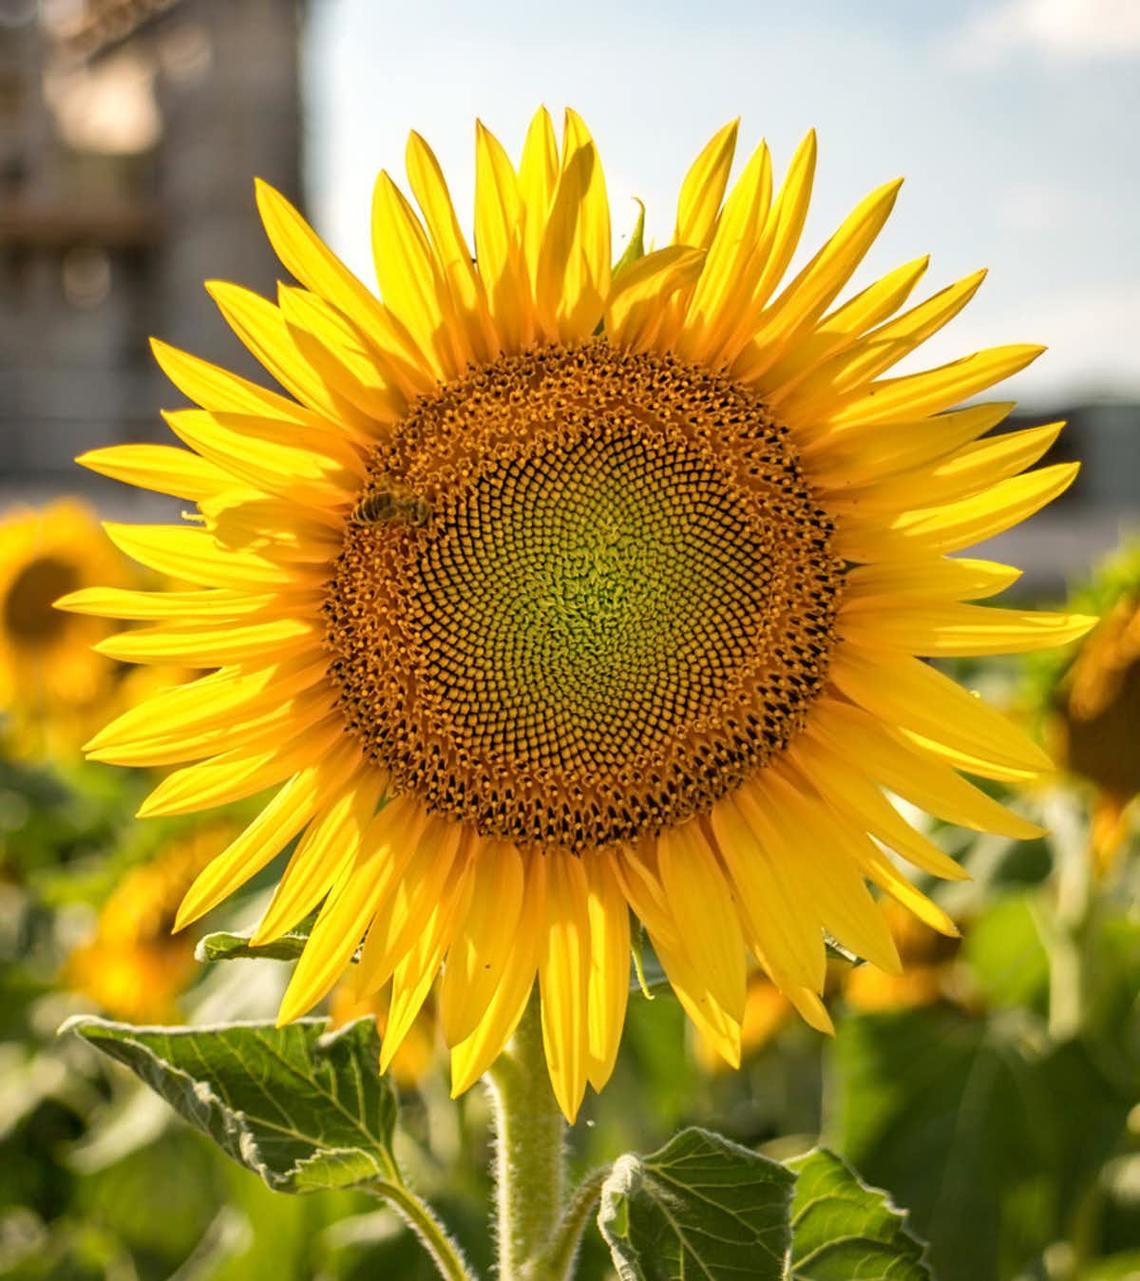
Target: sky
[{"x": 1013, "y": 121}]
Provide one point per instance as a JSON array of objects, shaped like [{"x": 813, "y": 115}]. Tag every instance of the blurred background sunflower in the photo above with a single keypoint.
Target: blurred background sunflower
[{"x": 54, "y": 687}]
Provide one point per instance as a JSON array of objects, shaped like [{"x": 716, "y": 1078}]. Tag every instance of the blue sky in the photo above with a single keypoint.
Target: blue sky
[{"x": 1014, "y": 122}]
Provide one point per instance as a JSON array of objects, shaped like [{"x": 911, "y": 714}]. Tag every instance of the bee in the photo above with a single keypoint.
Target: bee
[{"x": 391, "y": 503}]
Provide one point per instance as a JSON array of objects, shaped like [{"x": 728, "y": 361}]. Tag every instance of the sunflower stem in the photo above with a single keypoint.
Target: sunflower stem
[
  {"x": 529, "y": 1152},
  {"x": 558, "y": 1261},
  {"x": 419, "y": 1216}
]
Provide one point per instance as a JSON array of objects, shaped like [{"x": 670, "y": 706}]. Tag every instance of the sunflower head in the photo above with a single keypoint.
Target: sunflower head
[
  {"x": 53, "y": 688},
  {"x": 552, "y": 590}
]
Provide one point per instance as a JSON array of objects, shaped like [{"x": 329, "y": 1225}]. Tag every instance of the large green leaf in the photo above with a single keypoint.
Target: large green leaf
[
  {"x": 700, "y": 1207},
  {"x": 978, "y": 1122},
  {"x": 843, "y": 1230},
  {"x": 303, "y": 1109}
]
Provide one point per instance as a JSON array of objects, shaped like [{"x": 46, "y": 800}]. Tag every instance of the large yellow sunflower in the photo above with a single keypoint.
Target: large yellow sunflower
[
  {"x": 51, "y": 683},
  {"x": 552, "y": 591}
]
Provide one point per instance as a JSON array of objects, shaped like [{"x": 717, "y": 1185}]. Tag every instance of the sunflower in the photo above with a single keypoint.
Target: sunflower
[
  {"x": 131, "y": 967},
  {"x": 553, "y": 590},
  {"x": 1092, "y": 699},
  {"x": 53, "y": 688}
]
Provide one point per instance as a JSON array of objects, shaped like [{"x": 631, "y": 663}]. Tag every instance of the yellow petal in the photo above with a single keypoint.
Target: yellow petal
[
  {"x": 946, "y": 631},
  {"x": 842, "y": 460},
  {"x": 641, "y": 289},
  {"x": 262, "y": 328},
  {"x": 342, "y": 359},
  {"x": 287, "y": 462},
  {"x": 834, "y": 333},
  {"x": 814, "y": 288},
  {"x": 190, "y": 607},
  {"x": 214, "y": 388},
  {"x": 416, "y": 972},
  {"x": 703, "y": 189},
  {"x": 641, "y": 885},
  {"x": 957, "y": 525},
  {"x": 608, "y": 985},
  {"x": 853, "y": 369},
  {"x": 858, "y": 800},
  {"x": 911, "y": 774},
  {"x": 802, "y": 838},
  {"x": 285, "y": 815},
  {"x": 205, "y": 646},
  {"x": 907, "y": 692},
  {"x": 537, "y": 181},
  {"x": 195, "y": 556},
  {"x": 570, "y": 292},
  {"x": 162, "y": 468},
  {"x": 419, "y": 865},
  {"x": 563, "y": 972},
  {"x": 788, "y": 938},
  {"x": 594, "y": 213},
  {"x": 965, "y": 472},
  {"x": 331, "y": 842},
  {"x": 481, "y": 944},
  {"x": 213, "y": 703},
  {"x": 931, "y": 390},
  {"x": 870, "y": 588},
  {"x": 345, "y": 916},
  {"x": 714, "y": 1024},
  {"x": 234, "y": 776},
  {"x": 315, "y": 265},
  {"x": 410, "y": 281},
  {"x": 725, "y": 282},
  {"x": 498, "y": 240},
  {"x": 472, "y": 1057},
  {"x": 785, "y": 221},
  {"x": 469, "y": 297},
  {"x": 706, "y": 914}
]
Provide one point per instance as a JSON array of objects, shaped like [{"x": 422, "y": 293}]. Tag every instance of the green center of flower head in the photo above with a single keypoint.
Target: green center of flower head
[
  {"x": 30, "y": 616},
  {"x": 583, "y": 595}
]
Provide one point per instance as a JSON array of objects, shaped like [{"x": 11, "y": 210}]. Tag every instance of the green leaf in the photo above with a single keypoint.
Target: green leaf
[
  {"x": 302, "y": 1109},
  {"x": 700, "y": 1207},
  {"x": 980, "y": 1122},
  {"x": 843, "y": 1230},
  {"x": 232, "y": 947}
]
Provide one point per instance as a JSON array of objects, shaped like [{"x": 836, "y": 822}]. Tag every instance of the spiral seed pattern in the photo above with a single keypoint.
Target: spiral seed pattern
[{"x": 620, "y": 600}]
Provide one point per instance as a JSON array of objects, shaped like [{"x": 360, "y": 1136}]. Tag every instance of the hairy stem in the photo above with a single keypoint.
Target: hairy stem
[
  {"x": 422, "y": 1220},
  {"x": 557, "y": 1262},
  {"x": 529, "y": 1157}
]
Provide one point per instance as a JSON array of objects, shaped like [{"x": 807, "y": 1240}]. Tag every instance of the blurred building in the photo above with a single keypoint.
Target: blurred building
[
  {"x": 129, "y": 134},
  {"x": 1058, "y": 545}
]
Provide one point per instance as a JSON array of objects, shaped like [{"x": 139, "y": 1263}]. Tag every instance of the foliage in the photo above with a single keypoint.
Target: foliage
[{"x": 989, "y": 1106}]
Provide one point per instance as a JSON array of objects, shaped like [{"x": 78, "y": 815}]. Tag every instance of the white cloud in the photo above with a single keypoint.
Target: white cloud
[{"x": 1062, "y": 31}]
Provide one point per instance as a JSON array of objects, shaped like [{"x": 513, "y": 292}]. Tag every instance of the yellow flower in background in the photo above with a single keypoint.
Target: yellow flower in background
[
  {"x": 1096, "y": 728},
  {"x": 412, "y": 1061},
  {"x": 53, "y": 687},
  {"x": 132, "y": 967},
  {"x": 927, "y": 966},
  {"x": 766, "y": 1011},
  {"x": 554, "y": 590}
]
